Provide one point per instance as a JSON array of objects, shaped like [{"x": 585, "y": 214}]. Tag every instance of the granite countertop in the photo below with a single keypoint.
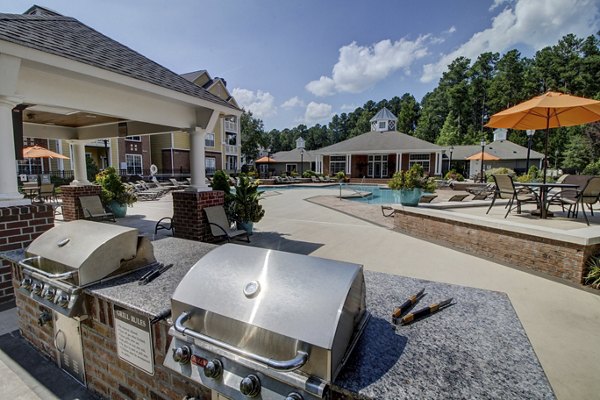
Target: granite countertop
[
  {"x": 476, "y": 348},
  {"x": 154, "y": 298}
]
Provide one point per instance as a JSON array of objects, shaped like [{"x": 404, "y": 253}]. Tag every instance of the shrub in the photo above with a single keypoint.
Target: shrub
[
  {"x": 593, "y": 276},
  {"x": 308, "y": 174},
  {"x": 113, "y": 188},
  {"x": 592, "y": 168},
  {"x": 453, "y": 175},
  {"x": 414, "y": 178},
  {"x": 246, "y": 200}
]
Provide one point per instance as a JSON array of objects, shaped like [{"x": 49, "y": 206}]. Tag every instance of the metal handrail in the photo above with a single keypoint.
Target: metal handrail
[{"x": 281, "y": 365}]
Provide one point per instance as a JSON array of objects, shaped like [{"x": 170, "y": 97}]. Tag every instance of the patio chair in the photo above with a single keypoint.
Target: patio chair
[
  {"x": 387, "y": 211},
  {"x": 220, "y": 225},
  {"x": 505, "y": 189},
  {"x": 47, "y": 192},
  {"x": 94, "y": 210},
  {"x": 165, "y": 223},
  {"x": 589, "y": 195}
]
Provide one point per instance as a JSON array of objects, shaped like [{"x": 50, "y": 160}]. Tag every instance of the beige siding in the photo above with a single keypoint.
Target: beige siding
[
  {"x": 202, "y": 79},
  {"x": 219, "y": 90},
  {"x": 157, "y": 144},
  {"x": 181, "y": 140}
]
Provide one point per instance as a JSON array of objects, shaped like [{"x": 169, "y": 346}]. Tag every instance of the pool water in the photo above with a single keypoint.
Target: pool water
[{"x": 380, "y": 194}]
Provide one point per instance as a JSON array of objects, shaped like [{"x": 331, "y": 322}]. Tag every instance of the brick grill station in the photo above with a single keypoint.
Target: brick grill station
[
  {"x": 189, "y": 220},
  {"x": 19, "y": 226},
  {"x": 71, "y": 207}
]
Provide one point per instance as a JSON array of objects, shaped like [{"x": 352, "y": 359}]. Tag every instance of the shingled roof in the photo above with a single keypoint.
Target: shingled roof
[
  {"x": 380, "y": 142},
  {"x": 67, "y": 37}
]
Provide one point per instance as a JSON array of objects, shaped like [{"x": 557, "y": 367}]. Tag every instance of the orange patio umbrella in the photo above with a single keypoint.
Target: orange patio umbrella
[
  {"x": 550, "y": 110},
  {"x": 41, "y": 152},
  {"x": 486, "y": 157},
  {"x": 265, "y": 159}
]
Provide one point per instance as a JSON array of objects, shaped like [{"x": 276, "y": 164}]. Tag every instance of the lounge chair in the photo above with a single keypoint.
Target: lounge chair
[
  {"x": 179, "y": 185},
  {"x": 168, "y": 186},
  {"x": 314, "y": 179},
  {"x": 505, "y": 189},
  {"x": 220, "y": 225},
  {"x": 458, "y": 197},
  {"x": 427, "y": 198},
  {"x": 94, "y": 210}
]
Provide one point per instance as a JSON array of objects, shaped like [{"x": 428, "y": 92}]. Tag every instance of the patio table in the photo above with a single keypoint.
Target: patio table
[
  {"x": 543, "y": 190},
  {"x": 31, "y": 192}
]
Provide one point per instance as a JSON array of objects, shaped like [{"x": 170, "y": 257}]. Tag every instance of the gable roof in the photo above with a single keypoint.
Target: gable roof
[
  {"x": 293, "y": 156},
  {"x": 503, "y": 149},
  {"x": 380, "y": 142},
  {"x": 52, "y": 33},
  {"x": 383, "y": 114},
  {"x": 192, "y": 76}
]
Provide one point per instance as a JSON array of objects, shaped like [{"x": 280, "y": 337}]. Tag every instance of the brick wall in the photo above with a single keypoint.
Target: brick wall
[
  {"x": 19, "y": 225},
  {"x": 106, "y": 374},
  {"x": 71, "y": 207},
  {"x": 116, "y": 379},
  {"x": 189, "y": 220},
  {"x": 527, "y": 251}
]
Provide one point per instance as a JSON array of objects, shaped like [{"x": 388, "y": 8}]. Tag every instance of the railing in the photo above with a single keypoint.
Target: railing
[
  {"x": 233, "y": 150},
  {"x": 230, "y": 126},
  {"x": 37, "y": 170}
]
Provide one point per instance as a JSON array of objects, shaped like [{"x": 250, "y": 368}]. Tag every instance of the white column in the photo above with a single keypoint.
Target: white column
[
  {"x": 197, "y": 165},
  {"x": 398, "y": 162},
  {"x": 319, "y": 164},
  {"x": 9, "y": 187},
  {"x": 438, "y": 160},
  {"x": 348, "y": 164},
  {"x": 78, "y": 163}
]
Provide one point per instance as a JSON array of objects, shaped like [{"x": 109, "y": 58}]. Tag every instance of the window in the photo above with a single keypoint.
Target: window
[
  {"x": 381, "y": 124},
  {"x": 422, "y": 159},
  {"x": 134, "y": 138},
  {"x": 337, "y": 164},
  {"x": 210, "y": 165},
  {"x": 291, "y": 167},
  {"x": 231, "y": 162},
  {"x": 209, "y": 140},
  {"x": 378, "y": 166},
  {"x": 232, "y": 139},
  {"x": 134, "y": 164}
]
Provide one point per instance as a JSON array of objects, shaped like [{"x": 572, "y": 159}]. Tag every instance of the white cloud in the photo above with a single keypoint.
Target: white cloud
[
  {"x": 348, "y": 107},
  {"x": 293, "y": 102},
  {"x": 535, "y": 23},
  {"x": 497, "y": 3},
  {"x": 360, "y": 67},
  {"x": 261, "y": 104},
  {"x": 317, "y": 112},
  {"x": 452, "y": 29}
]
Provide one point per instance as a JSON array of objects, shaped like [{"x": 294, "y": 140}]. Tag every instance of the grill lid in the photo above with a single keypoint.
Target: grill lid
[
  {"x": 292, "y": 295},
  {"x": 93, "y": 249}
]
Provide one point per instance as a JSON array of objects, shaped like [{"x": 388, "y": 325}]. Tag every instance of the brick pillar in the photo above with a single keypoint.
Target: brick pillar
[
  {"x": 19, "y": 225},
  {"x": 71, "y": 207},
  {"x": 188, "y": 218}
]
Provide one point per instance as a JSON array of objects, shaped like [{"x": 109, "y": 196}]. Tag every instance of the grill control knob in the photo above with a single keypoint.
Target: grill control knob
[
  {"x": 50, "y": 293},
  {"x": 63, "y": 300},
  {"x": 294, "y": 396},
  {"x": 250, "y": 386},
  {"x": 182, "y": 354},
  {"x": 37, "y": 288},
  {"x": 26, "y": 283},
  {"x": 213, "y": 369}
]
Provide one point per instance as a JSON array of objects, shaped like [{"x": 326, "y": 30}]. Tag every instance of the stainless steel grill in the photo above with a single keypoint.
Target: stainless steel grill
[
  {"x": 261, "y": 323},
  {"x": 69, "y": 257}
]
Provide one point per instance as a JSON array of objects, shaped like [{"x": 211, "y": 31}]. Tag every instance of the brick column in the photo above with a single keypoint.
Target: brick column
[
  {"x": 71, "y": 207},
  {"x": 19, "y": 225},
  {"x": 188, "y": 218}
]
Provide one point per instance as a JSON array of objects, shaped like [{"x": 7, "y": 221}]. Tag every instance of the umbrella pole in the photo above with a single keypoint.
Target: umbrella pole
[{"x": 546, "y": 143}]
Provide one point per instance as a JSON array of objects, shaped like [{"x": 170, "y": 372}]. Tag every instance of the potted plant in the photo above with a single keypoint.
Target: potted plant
[
  {"x": 246, "y": 203},
  {"x": 115, "y": 194},
  {"x": 411, "y": 184}
]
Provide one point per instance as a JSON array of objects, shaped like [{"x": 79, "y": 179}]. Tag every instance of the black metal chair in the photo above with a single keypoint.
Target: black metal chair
[{"x": 505, "y": 189}]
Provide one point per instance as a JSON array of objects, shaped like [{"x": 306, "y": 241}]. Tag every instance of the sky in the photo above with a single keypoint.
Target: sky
[{"x": 303, "y": 61}]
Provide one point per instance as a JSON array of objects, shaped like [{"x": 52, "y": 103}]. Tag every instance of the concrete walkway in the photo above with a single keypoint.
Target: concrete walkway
[{"x": 561, "y": 321}]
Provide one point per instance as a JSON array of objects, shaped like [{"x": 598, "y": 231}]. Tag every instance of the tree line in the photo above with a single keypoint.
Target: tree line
[{"x": 467, "y": 94}]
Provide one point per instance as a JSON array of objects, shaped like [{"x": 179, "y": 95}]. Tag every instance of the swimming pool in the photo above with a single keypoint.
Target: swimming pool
[{"x": 379, "y": 194}]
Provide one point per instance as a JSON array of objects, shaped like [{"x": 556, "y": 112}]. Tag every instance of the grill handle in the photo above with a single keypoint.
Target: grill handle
[
  {"x": 31, "y": 268},
  {"x": 281, "y": 365}
]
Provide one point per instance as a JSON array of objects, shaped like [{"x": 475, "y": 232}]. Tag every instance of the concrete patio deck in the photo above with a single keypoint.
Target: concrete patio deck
[{"x": 562, "y": 321}]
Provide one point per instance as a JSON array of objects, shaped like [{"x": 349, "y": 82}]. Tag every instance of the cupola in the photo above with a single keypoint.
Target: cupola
[{"x": 383, "y": 121}]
